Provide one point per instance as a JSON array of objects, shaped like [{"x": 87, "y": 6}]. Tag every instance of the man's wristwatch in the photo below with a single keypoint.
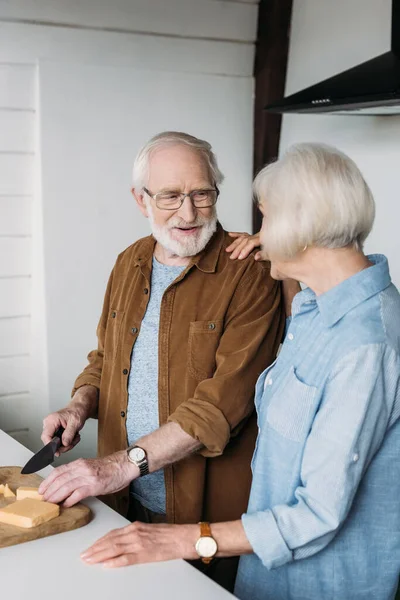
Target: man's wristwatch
[
  {"x": 206, "y": 546},
  {"x": 138, "y": 457}
]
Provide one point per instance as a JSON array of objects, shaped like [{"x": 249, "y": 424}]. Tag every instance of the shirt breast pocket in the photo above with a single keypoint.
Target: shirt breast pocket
[
  {"x": 203, "y": 342},
  {"x": 291, "y": 409},
  {"x": 113, "y": 333}
]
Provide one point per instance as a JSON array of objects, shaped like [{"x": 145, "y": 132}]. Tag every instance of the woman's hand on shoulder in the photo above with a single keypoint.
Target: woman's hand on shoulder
[{"x": 243, "y": 245}]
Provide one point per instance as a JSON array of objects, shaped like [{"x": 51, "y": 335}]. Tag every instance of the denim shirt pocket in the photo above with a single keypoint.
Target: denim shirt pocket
[{"x": 291, "y": 409}]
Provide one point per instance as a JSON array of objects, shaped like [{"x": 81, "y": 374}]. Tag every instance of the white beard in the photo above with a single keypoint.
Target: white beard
[{"x": 191, "y": 246}]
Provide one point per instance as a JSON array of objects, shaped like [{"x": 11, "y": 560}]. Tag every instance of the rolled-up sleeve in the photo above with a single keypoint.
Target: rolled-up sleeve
[
  {"x": 91, "y": 375},
  {"x": 252, "y": 332},
  {"x": 360, "y": 402}
]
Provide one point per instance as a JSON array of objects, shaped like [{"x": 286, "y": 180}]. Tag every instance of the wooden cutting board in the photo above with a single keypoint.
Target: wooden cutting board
[{"x": 69, "y": 518}]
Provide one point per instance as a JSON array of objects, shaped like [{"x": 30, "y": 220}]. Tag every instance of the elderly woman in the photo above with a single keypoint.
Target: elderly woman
[{"x": 323, "y": 520}]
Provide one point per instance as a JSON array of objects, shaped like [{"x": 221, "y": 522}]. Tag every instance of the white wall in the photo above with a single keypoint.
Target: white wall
[
  {"x": 17, "y": 148},
  {"x": 109, "y": 77},
  {"x": 326, "y": 38}
]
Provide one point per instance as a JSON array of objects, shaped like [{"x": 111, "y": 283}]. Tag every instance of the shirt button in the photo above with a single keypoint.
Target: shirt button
[
  {"x": 211, "y": 326},
  {"x": 145, "y": 291},
  {"x": 122, "y": 413},
  {"x": 290, "y": 336},
  {"x": 355, "y": 457},
  {"x": 125, "y": 371},
  {"x": 134, "y": 330},
  {"x": 113, "y": 314},
  {"x": 269, "y": 381}
]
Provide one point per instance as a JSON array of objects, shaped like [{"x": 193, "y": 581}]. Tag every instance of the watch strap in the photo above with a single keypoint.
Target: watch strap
[
  {"x": 143, "y": 467},
  {"x": 205, "y": 531}
]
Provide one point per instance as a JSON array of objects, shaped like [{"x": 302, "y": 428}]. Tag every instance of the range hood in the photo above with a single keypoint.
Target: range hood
[{"x": 371, "y": 88}]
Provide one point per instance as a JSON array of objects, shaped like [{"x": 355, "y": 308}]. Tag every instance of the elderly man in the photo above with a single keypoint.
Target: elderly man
[{"x": 182, "y": 338}]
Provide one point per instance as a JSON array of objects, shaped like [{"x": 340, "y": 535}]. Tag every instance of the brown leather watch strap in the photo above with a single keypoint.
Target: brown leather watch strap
[{"x": 205, "y": 529}]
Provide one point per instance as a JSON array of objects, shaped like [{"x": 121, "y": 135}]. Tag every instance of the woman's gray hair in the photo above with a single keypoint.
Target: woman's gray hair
[
  {"x": 173, "y": 138},
  {"x": 314, "y": 195}
]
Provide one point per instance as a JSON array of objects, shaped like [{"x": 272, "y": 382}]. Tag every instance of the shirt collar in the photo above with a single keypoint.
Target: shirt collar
[
  {"x": 342, "y": 298},
  {"x": 205, "y": 261}
]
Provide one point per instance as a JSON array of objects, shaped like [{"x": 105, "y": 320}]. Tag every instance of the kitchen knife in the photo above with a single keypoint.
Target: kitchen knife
[{"x": 45, "y": 456}]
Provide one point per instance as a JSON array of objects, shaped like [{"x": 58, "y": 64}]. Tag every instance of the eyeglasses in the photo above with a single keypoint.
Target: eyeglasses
[{"x": 172, "y": 200}]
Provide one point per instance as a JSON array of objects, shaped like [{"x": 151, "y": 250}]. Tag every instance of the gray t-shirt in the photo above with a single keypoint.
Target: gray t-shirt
[{"x": 142, "y": 416}]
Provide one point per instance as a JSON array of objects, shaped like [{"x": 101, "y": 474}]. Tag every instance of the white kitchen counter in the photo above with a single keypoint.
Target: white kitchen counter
[{"x": 51, "y": 567}]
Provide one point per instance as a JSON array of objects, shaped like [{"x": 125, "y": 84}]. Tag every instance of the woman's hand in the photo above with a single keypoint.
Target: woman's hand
[
  {"x": 139, "y": 543},
  {"x": 243, "y": 245}
]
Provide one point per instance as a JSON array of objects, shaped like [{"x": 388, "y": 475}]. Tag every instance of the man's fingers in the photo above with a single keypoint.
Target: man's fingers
[
  {"x": 46, "y": 438},
  {"x": 63, "y": 449},
  {"x": 61, "y": 490},
  {"x": 51, "y": 478},
  {"x": 258, "y": 256},
  {"x": 71, "y": 430},
  {"x": 50, "y": 426},
  {"x": 76, "y": 496}
]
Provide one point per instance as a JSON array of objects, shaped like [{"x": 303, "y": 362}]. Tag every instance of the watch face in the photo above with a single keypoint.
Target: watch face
[
  {"x": 137, "y": 454},
  {"x": 206, "y": 547}
]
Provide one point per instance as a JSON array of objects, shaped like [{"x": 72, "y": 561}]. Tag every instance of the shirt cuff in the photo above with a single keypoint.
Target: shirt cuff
[
  {"x": 205, "y": 423},
  {"x": 85, "y": 379},
  {"x": 263, "y": 534}
]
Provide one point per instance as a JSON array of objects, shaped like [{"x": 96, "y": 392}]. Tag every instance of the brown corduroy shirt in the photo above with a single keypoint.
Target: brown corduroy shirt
[{"x": 221, "y": 323}]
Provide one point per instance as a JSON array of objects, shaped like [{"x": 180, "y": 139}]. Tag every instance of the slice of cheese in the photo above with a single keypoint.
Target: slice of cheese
[
  {"x": 28, "y": 492},
  {"x": 29, "y": 513},
  {"x": 1, "y": 488},
  {"x": 8, "y": 493}
]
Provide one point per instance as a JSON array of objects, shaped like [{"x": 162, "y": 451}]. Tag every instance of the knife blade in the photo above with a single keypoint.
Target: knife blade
[{"x": 45, "y": 456}]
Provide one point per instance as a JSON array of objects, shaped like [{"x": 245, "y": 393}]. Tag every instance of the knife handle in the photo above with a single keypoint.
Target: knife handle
[{"x": 59, "y": 433}]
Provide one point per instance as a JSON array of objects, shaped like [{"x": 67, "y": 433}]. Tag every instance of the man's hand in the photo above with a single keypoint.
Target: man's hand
[
  {"x": 243, "y": 245},
  {"x": 143, "y": 543},
  {"x": 88, "y": 477},
  {"x": 72, "y": 418}
]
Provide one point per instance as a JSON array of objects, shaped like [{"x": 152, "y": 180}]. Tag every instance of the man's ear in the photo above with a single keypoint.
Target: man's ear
[{"x": 139, "y": 197}]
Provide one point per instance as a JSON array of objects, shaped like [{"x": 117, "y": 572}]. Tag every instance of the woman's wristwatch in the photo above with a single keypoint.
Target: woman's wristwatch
[
  {"x": 206, "y": 546},
  {"x": 138, "y": 457}
]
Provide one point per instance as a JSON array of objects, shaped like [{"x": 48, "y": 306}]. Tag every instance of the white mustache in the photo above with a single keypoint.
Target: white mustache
[{"x": 177, "y": 222}]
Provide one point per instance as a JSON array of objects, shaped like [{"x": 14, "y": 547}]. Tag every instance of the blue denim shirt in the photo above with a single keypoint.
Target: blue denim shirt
[{"x": 324, "y": 510}]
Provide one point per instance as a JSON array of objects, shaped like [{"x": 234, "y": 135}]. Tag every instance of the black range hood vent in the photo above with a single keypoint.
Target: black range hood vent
[{"x": 371, "y": 88}]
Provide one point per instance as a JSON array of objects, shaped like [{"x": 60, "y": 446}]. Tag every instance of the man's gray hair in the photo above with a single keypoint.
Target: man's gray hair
[
  {"x": 173, "y": 138},
  {"x": 314, "y": 195}
]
